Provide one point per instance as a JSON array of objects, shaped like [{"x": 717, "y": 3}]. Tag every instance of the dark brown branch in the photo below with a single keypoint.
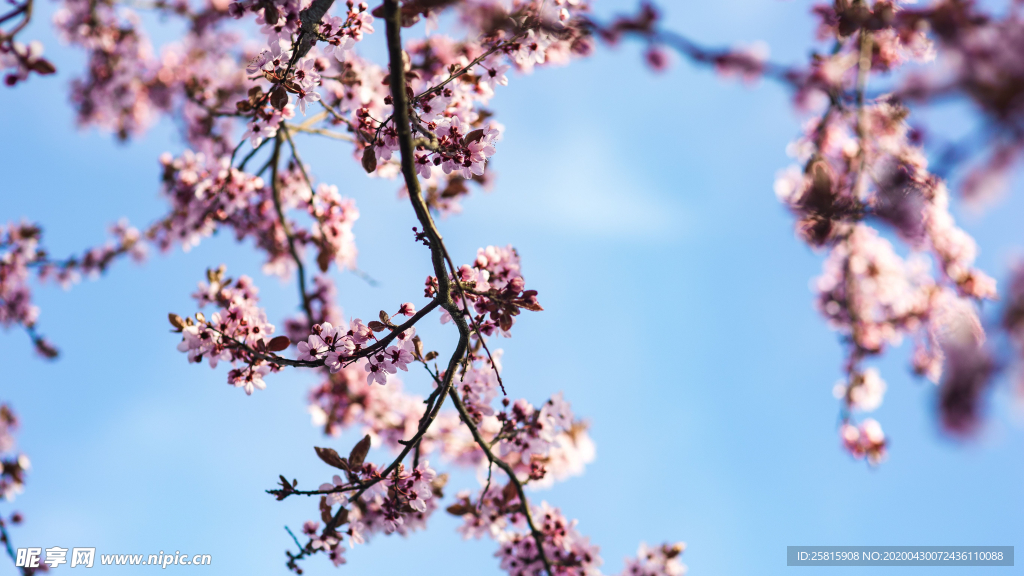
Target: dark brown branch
[
  {"x": 403, "y": 126},
  {"x": 439, "y": 253},
  {"x": 538, "y": 536},
  {"x": 26, "y": 10},
  {"x": 404, "y": 129},
  {"x": 18, "y": 10},
  {"x": 310, "y": 18},
  {"x": 365, "y": 352},
  {"x": 429, "y": 415}
]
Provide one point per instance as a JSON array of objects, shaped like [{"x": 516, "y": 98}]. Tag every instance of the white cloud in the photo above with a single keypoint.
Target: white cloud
[{"x": 591, "y": 190}]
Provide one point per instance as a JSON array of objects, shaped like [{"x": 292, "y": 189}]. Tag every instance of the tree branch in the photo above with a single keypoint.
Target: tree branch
[
  {"x": 538, "y": 536},
  {"x": 438, "y": 254},
  {"x": 429, "y": 415},
  {"x": 438, "y": 251},
  {"x": 365, "y": 352}
]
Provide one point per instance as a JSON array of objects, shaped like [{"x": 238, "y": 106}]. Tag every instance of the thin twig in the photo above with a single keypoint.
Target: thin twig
[
  {"x": 466, "y": 68},
  {"x": 321, "y": 132},
  {"x": 293, "y": 537},
  {"x": 241, "y": 166},
  {"x": 275, "y": 189},
  {"x": 334, "y": 113},
  {"x": 10, "y": 547},
  {"x": 302, "y": 167}
]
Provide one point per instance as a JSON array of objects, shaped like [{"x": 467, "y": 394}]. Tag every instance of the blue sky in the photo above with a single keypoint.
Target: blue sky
[{"x": 678, "y": 321}]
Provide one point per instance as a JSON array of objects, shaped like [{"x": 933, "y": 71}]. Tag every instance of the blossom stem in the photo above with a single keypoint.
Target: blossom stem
[{"x": 466, "y": 68}]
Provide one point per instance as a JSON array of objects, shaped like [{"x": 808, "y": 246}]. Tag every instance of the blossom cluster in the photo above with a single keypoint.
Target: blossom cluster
[
  {"x": 370, "y": 500},
  {"x": 114, "y": 94},
  {"x": 20, "y": 244},
  {"x": 499, "y": 515},
  {"x": 397, "y": 504},
  {"x": 402, "y": 502},
  {"x": 18, "y": 60},
  {"x": 128, "y": 83},
  {"x": 301, "y": 79},
  {"x": 341, "y": 35},
  {"x": 536, "y": 440},
  {"x": 978, "y": 52},
  {"x": 207, "y": 193},
  {"x": 865, "y": 165},
  {"x": 345, "y": 399},
  {"x": 861, "y": 166},
  {"x": 495, "y": 288},
  {"x": 540, "y": 445},
  {"x": 450, "y": 83},
  {"x": 862, "y": 173},
  {"x": 865, "y": 440},
  {"x": 238, "y": 332},
  {"x": 338, "y": 346},
  {"x": 22, "y": 257},
  {"x": 13, "y": 464},
  {"x": 563, "y": 545}
]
